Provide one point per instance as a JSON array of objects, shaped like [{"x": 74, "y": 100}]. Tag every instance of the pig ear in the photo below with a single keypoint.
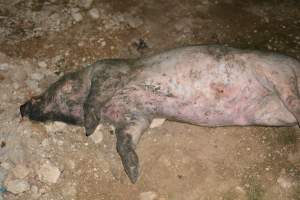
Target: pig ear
[
  {"x": 91, "y": 121},
  {"x": 92, "y": 111}
]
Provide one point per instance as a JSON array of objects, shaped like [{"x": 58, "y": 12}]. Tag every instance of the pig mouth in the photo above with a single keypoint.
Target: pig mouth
[
  {"x": 29, "y": 110},
  {"x": 25, "y": 109}
]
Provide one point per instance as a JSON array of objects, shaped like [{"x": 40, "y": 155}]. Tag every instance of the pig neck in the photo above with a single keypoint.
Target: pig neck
[{"x": 109, "y": 79}]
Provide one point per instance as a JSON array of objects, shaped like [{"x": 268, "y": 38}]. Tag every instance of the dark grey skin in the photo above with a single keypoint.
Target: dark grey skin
[{"x": 206, "y": 85}]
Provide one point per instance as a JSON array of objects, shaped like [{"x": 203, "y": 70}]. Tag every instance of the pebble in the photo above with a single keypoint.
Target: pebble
[
  {"x": 55, "y": 127},
  {"x": 17, "y": 186},
  {"x": 48, "y": 173},
  {"x": 37, "y": 76},
  {"x": 35, "y": 192},
  {"x": 20, "y": 171},
  {"x": 3, "y": 173},
  {"x": 285, "y": 181},
  {"x": 4, "y": 66},
  {"x": 94, "y": 13},
  {"x": 76, "y": 14},
  {"x": 148, "y": 195},
  {"x": 32, "y": 84},
  {"x": 42, "y": 64},
  {"x": 6, "y": 165},
  {"x": 157, "y": 122},
  {"x": 103, "y": 44},
  {"x": 134, "y": 22},
  {"x": 97, "y": 136},
  {"x": 87, "y": 3}
]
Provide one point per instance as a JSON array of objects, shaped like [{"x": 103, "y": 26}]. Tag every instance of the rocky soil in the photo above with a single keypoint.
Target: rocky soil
[{"x": 40, "y": 40}]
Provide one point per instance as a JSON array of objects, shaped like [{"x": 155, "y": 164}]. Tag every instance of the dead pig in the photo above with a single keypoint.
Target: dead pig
[{"x": 206, "y": 85}]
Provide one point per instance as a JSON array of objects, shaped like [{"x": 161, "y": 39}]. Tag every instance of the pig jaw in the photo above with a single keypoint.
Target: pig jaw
[{"x": 36, "y": 112}]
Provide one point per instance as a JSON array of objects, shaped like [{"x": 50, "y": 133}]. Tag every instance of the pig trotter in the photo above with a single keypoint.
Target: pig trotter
[{"x": 128, "y": 156}]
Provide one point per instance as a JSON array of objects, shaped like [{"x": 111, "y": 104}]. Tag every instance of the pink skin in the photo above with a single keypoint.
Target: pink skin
[{"x": 195, "y": 87}]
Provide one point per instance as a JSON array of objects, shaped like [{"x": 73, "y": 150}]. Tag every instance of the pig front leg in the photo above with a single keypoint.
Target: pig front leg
[
  {"x": 130, "y": 122},
  {"x": 128, "y": 135},
  {"x": 285, "y": 84}
]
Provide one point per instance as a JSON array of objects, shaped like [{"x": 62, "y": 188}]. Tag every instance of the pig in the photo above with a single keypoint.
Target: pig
[{"x": 205, "y": 85}]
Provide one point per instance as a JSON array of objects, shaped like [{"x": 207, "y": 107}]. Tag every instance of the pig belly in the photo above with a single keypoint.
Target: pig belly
[
  {"x": 214, "y": 103},
  {"x": 267, "y": 111}
]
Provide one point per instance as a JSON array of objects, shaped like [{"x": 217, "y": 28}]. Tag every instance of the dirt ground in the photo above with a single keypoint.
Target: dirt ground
[{"x": 41, "y": 40}]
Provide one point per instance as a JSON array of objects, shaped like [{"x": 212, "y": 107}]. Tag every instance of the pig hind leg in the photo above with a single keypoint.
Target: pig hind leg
[{"x": 287, "y": 90}]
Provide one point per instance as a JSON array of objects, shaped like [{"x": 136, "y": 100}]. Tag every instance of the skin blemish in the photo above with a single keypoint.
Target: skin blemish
[{"x": 217, "y": 87}]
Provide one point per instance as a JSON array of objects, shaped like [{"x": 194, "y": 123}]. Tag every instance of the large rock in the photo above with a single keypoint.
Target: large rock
[
  {"x": 17, "y": 186},
  {"x": 20, "y": 171},
  {"x": 48, "y": 173}
]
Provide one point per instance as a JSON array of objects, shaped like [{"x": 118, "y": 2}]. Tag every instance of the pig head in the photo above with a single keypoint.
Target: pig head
[
  {"x": 76, "y": 96},
  {"x": 63, "y": 101}
]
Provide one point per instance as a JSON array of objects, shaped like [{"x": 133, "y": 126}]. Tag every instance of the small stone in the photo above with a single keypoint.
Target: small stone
[
  {"x": 45, "y": 142},
  {"x": 37, "y": 76},
  {"x": 148, "y": 195},
  {"x": 4, "y": 66},
  {"x": 32, "y": 84},
  {"x": 3, "y": 173},
  {"x": 34, "y": 189},
  {"x": 80, "y": 44},
  {"x": 157, "y": 122},
  {"x": 20, "y": 171},
  {"x": 285, "y": 181},
  {"x": 48, "y": 173},
  {"x": 17, "y": 186},
  {"x": 134, "y": 22},
  {"x": 42, "y": 64},
  {"x": 55, "y": 127},
  {"x": 35, "y": 192},
  {"x": 76, "y": 14},
  {"x": 6, "y": 165},
  {"x": 86, "y": 3},
  {"x": 16, "y": 85},
  {"x": 94, "y": 13},
  {"x": 97, "y": 136},
  {"x": 103, "y": 44}
]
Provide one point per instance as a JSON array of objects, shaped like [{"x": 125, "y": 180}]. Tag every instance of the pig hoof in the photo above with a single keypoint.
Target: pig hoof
[
  {"x": 129, "y": 158},
  {"x": 89, "y": 132},
  {"x": 131, "y": 165}
]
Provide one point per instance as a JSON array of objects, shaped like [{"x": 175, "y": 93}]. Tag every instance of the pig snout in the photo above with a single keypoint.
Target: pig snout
[
  {"x": 31, "y": 109},
  {"x": 26, "y": 109}
]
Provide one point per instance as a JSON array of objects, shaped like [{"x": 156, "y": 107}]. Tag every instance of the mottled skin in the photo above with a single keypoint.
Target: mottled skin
[{"x": 203, "y": 85}]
